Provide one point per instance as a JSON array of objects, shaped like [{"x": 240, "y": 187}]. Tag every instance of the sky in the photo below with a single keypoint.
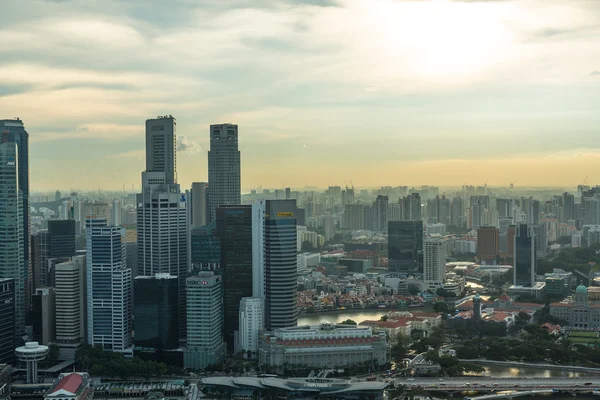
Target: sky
[{"x": 373, "y": 92}]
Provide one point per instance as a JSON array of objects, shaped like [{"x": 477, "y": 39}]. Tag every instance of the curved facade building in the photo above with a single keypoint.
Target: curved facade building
[{"x": 274, "y": 261}]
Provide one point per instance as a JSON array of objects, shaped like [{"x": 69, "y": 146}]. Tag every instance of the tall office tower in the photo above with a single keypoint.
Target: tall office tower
[
  {"x": 541, "y": 239},
  {"x": 524, "y": 256},
  {"x": 488, "y": 244},
  {"x": 288, "y": 193},
  {"x": 380, "y": 218},
  {"x": 434, "y": 262},
  {"x": 109, "y": 287},
  {"x": 61, "y": 238},
  {"x": 510, "y": 239},
  {"x": 40, "y": 253},
  {"x": 162, "y": 215},
  {"x": 161, "y": 145},
  {"x": 70, "y": 288},
  {"x": 405, "y": 247},
  {"x": 205, "y": 344},
  {"x": 12, "y": 235},
  {"x": 43, "y": 311},
  {"x": 155, "y": 308},
  {"x": 205, "y": 248},
  {"x": 223, "y": 168},
  {"x": 533, "y": 213},
  {"x": 503, "y": 226},
  {"x": 457, "y": 212},
  {"x": 504, "y": 207},
  {"x": 411, "y": 207},
  {"x": 591, "y": 210},
  {"x": 198, "y": 200},
  {"x": 568, "y": 207},
  {"x": 234, "y": 230},
  {"x": 274, "y": 261},
  {"x": 13, "y": 131},
  {"x": 115, "y": 213},
  {"x": 354, "y": 217},
  {"x": 251, "y": 321},
  {"x": 7, "y": 321}
]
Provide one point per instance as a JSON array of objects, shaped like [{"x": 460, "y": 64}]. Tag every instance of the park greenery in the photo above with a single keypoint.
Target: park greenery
[
  {"x": 113, "y": 365},
  {"x": 571, "y": 259}
]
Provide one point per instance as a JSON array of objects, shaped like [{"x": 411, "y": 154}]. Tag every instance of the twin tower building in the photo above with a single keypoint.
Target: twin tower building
[{"x": 175, "y": 305}]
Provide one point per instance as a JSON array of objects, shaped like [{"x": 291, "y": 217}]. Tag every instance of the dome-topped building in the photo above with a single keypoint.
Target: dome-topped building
[{"x": 581, "y": 294}]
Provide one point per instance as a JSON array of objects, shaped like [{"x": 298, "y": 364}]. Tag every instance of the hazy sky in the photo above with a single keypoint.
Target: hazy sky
[{"x": 324, "y": 91}]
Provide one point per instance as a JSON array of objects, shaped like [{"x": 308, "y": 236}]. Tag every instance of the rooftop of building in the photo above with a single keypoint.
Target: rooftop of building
[
  {"x": 331, "y": 386},
  {"x": 68, "y": 385}
]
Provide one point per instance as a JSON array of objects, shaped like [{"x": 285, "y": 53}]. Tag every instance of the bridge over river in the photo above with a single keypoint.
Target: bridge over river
[{"x": 483, "y": 384}]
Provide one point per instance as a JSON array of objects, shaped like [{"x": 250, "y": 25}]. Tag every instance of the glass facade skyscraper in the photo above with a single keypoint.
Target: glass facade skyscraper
[
  {"x": 234, "y": 230},
  {"x": 7, "y": 321},
  {"x": 205, "y": 248},
  {"x": 524, "y": 256},
  {"x": 12, "y": 235},
  {"x": 156, "y": 304},
  {"x": 62, "y": 238},
  {"x": 109, "y": 302},
  {"x": 405, "y": 247},
  {"x": 275, "y": 272}
]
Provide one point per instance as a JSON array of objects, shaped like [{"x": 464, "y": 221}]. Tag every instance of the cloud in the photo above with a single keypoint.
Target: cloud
[
  {"x": 595, "y": 73},
  {"x": 187, "y": 145},
  {"x": 138, "y": 154}
]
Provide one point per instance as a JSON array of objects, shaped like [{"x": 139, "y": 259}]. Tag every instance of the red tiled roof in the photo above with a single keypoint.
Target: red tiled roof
[
  {"x": 70, "y": 383},
  {"x": 386, "y": 324},
  {"x": 504, "y": 297}
]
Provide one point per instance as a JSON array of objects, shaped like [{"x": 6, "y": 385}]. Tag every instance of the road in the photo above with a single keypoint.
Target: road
[{"x": 497, "y": 384}]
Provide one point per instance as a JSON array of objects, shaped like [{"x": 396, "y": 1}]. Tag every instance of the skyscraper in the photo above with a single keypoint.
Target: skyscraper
[
  {"x": 70, "y": 288},
  {"x": 234, "y": 230},
  {"x": 13, "y": 131},
  {"x": 40, "y": 253},
  {"x": 380, "y": 210},
  {"x": 156, "y": 303},
  {"x": 161, "y": 145},
  {"x": 405, "y": 246},
  {"x": 205, "y": 344},
  {"x": 411, "y": 207},
  {"x": 7, "y": 320},
  {"x": 109, "y": 287},
  {"x": 568, "y": 207},
  {"x": 274, "y": 261},
  {"x": 61, "y": 238},
  {"x": 224, "y": 187},
  {"x": 115, "y": 213},
  {"x": 434, "y": 262},
  {"x": 524, "y": 256},
  {"x": 488, "y": 243},
  {"x": 199, "y": 199},
  {"x": 162, "y": 215},
  {"x": 251, "y": 321},
  {"x": 12, "y": 234},
  {"x": 43, "y": 314}
]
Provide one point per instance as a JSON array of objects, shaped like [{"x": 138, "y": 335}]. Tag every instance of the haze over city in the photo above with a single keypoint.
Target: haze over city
[{"x": 377, "y": 92}]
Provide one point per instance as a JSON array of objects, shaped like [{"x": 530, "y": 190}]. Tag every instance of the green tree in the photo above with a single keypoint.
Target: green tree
[
  {"x": 349, "y": 322},
  {"x": 53, "y": 353},
  {"x": 384, "y": 318}
]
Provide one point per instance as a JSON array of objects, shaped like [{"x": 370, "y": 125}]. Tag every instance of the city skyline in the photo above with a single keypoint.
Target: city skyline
[{"x": 327, "y": 91}]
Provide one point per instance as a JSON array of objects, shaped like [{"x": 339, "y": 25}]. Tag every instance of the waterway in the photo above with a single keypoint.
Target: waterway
[{"x": 357, "y": 316}]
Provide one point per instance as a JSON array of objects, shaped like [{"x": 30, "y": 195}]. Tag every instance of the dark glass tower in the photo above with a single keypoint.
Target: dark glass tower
[
  {"x": 156, "y": 306},
  {"x": 405, "y": 247},
  {"x": 7, "y": 321},
  {"x": 62, "y": 238},
  {"x": 16, "y": 133},
  {"x": 205, "y": 248},
  {"x": 524, "y": 256},
  {"x": 234, "y": 230}
]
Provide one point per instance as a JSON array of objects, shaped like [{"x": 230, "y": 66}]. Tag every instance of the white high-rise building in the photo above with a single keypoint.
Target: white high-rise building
[
  {"x": 205, "y": 345},
  {"x": 109, "y": 287},
  {"x": 12, "y": 235},
  {"x": 224, "y": 186},
  {"x": 251, "y": 322},
  {"x": 115, "y": 213},
  {"x": 198, "y": 206},
  {"x": 69, "y": 283},
  {"x": 434, "y": 267},
  {"x": 162, "y": 215},
  {"x": 161, "y": 146}
]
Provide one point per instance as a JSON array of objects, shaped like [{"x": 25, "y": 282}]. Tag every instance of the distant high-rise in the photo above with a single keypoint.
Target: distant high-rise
[
  {"x": 354, "y": 217},
  {"x": 568, "y": 207},
  {"x": 156, "y": 303},
  {"x": 7, "y": 321},
  {"x": 411, "y": 207},
  {"x": 61, "y": 238},
  {"x": 457, "y": 212},
  {"x": 12, "y": 233},
  {"x": 198, "y": 207},
  {"x": 224, "y": 187},
  {"x": 115, "y": 213},
  {"x": 405, "y": 246},
  {"x": 234, "y": 230},
  {"x": 40, "y": 253},
  {"x": 13, "y": 131},
  {"x": 161, "y": 146},
  {"x": 274, "y": 265},
  {"x": 109, "y": 287},
  {"x": 434, "y": 262},
  {"x": 504, "y": 207},
  {"x": 70, "y": 290},
  {"x": 524, "y": 256},
  {"x": 205, "y": 344},
  {"x": 488, "y": 244},
  {"x": 162, "y": 212},
  {"x": 380, "y": 210}
]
